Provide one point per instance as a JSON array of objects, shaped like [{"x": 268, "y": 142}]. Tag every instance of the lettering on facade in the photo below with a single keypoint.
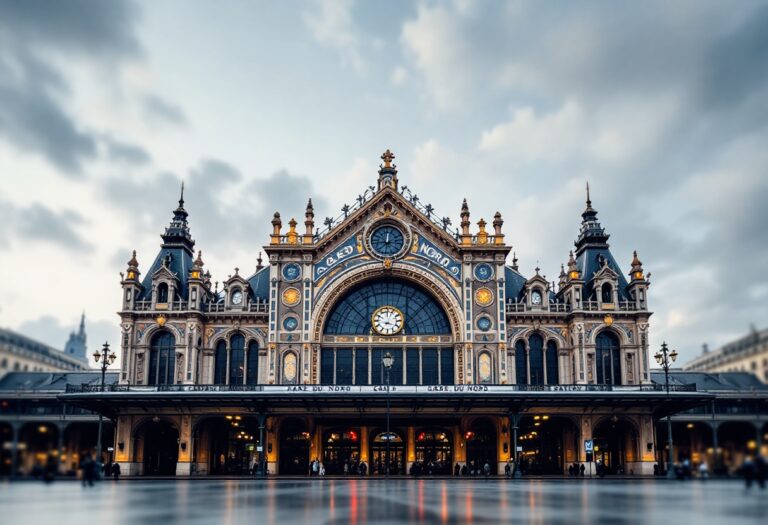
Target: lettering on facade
[
  {"x": 434, "y": 254},
  {"x": 342, "y": 253}
]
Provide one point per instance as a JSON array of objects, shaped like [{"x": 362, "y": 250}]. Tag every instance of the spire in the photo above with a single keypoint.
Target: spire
[
  {"x": 309, "y": 222},
  {"x": 259, "y": 262},
  {"x": 562, "y": 277},
  {"x": 514, "y": 262},
  {"x": 177, "y": 233},
  {"x": 591, "y": 234},
  {"x": 388, "y": 171},
  {"x": 636, "y": 273},
  {"x": 81, "y": 332}
]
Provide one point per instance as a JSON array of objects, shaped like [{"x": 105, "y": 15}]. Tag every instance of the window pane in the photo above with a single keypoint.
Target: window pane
[
  {"x": 344, "y": 366},
  {"x": 412, "y": 369},
  {"x": 536, "y": 357},
  {"x": 446, "y": 366},
  {"x": 429, "y": 366},
  {"x": 220, "y": 364},
  {"x": 361, "y": 366},
  {"x": 552, "y": 365},
  {"x": 237, "y": 360},
  {"x": 252, "y": 374},
  {"x": 326, "y": 366}
]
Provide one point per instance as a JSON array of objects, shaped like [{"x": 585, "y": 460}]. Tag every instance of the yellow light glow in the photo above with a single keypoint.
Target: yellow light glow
[
  {"x": 752, "y": 444},
  {"x": 544, "y": 417},
  {"x": 42, "y": 429},
  {"x": 574, "y": 275},
  {"x": 536, "y": 418},
  {"x": 689, "y": 425}
]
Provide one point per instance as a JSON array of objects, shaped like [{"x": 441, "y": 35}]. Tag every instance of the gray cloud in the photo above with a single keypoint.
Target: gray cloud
[
  {"x": 33, "y": 92},
  {"x": 39, "y": 223},
  {"x": 159, "y": 109},
  {"x": 124, "y": 152}
]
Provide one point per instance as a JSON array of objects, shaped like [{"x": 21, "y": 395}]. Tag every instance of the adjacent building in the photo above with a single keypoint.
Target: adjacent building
[
  {"x": 384, "y": 329},
  {"x": 746, "y": 354},
  {"x": 19, "y": 353}
]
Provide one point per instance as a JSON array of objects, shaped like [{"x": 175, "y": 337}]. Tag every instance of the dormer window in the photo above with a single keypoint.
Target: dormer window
[
  {"x": 606, "y": 292},
  {"x": 237, "y": 297},
  {"x": 162, "y": 293},
  {"x": 536, "y": 297}
]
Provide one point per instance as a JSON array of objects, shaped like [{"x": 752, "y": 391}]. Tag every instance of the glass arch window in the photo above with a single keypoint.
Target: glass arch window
[
  {"x": 237, "y": 360},
  {"x": 536, "y": 357},
  {"x": 252, "y": 372},
  {"x": 552, "y": 365},
  {"x": 608, "y": 359},
  {"x": 521, "y": 363},
  {"x": 220, "y": 363},
  {"x": 352, "y": 314},
  {"x": 607, "y": 293},
  {"x": 162, "y": 293},
  {"x": 162, "y": 359}
]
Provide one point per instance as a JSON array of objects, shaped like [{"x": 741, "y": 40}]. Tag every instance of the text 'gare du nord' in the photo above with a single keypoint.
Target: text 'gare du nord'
[{"x": 285, "y": 365}]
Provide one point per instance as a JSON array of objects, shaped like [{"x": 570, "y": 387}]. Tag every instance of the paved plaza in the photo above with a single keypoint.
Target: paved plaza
[{"x": 355, "y": 501}]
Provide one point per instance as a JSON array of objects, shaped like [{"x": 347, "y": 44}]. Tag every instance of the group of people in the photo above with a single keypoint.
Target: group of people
[
  {"x": 90, "y": 469},
  {"x": 755, "y": 470},
  {"x": 472, "y": 469},
  {"x": 577, "y": 470},
  {"x": 316, "y": 468}
]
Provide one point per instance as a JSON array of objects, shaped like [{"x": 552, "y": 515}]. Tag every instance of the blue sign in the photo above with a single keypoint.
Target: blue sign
[
  {"x": 589, "y": 446},
  {"x": 432, "y": 253},
  {"x": 345, "y": 251}
]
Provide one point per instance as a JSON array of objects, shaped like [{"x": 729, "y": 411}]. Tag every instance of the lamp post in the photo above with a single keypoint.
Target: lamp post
[
  {"x": 665, "y": 358},
  {"x": 106, "y": 359},
  {"x": 387, "y": 361}
]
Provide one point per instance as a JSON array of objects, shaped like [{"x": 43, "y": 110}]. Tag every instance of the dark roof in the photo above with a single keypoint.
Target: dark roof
[
  {"x": 590, "y": 261},
  {"x": 259, "y": 283},
  {"x": 514, "y": 284},
  {"x": 180, "y": 263},
  {"x": 54, "y": 381},
  {"x": 712, "y": 382}
]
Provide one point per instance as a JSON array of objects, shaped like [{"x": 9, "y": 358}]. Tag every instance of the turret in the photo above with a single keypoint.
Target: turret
[
  {"x": 309, "y": 223},
  {"x": 638, "y": 284},
  {"x": 131, "y": 285},
  {"x": 196, "y": 283},
  {"x": 388, "y": 171},
  {"x": 466, "y": 238}
]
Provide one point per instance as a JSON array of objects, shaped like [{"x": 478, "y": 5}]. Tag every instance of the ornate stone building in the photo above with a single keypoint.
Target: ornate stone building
[
  {"x": 287, "y": 364},
  {"x": 746, "y": 354}
]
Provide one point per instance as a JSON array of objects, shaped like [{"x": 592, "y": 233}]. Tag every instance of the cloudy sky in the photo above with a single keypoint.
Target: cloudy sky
[{"x": 106, "y": 106}]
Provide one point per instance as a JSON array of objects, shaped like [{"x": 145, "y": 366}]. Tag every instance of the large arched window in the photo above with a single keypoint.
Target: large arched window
[
  {"x": 237, "y": 360},
  {"x": 536, "y": 357},
  {"x": 521, "y": 363},
  {"x": 220, "y": 364},
  {"x": 352, "y": 315},
  {"x": 252, "y": 367},
  {"x": 552, "y": 365},
  {"x": 484, "y": 368},
  {"x": 608, "y": 359},
  {"x": 162, "y": 293},
  {"x": 161, "y": 359}
]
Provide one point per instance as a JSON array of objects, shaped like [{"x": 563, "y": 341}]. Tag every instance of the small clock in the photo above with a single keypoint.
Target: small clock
[
  {"x": 291, "y": 272},
  {"x": 290, "y": 324},
  {"x": 237, "y": 298},
  {"x": 483, "y": 272},
  {"x": 483, "y": 296},
  {"x": 387, "y": 320},
  {"x": 484, "y": 323},
  {"x": 536, "y": 297},
  {"x": 387, "y": 240}
]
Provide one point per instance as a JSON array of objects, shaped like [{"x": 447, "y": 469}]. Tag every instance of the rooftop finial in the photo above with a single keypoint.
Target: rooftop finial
[
  {"x": 181, "y": 199},
  {"x": 589, "y": 201},
  {"x": 387, "y": 157}
]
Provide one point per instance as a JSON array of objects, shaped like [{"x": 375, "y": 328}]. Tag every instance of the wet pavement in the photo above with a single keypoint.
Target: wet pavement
[{"x": 371, "y": 501}]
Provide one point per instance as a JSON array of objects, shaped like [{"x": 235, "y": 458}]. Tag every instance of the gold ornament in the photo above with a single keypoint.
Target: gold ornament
[
  {"x": 608, "y": 320},
  {"x": 291, "y": 297},
  {"x": 483, "y": 296},
  {"x": 161, "y": 320}
]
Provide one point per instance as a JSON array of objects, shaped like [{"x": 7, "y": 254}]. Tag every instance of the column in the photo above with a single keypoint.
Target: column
[
  {"x": 410, "y": 448},
  {"x": 60, "y": 428},
  {"x": 184, "y": 464},
  {"x": 364, "y": 445},
  {"x": 585, "y": 425}
]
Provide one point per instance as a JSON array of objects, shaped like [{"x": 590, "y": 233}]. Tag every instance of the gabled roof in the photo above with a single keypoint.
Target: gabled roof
[
  {"x": 259, "y": 284},
  {"x": 179, "y": 265},
  {"x": 589, "y": 262},
  {"x": 514, "y": 284}
]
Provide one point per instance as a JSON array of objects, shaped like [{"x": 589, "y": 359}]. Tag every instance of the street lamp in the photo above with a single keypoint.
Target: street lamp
[
  {"x": 387, "y": 361},
  {"x": 106, "y": 359},
  {"x": 665, "y": 358}
]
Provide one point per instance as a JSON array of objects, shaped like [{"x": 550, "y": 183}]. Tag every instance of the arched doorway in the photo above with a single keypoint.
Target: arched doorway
[
  {"x": 737, "y": 439},
  {"x": 231, "y": 444},
  {"x": 80, "y": 438},
  {"x": 434, "y": 451},
  {"x": 378, "y": 312},
  {"x": 159, "y": 445},
  {"x": 615, "y": 444},
  {"x": 341, "y": 450},
  {"x": 549, "y": 443},
  {"x": 608, "y": 358},
  {"x": 294, "y": 448},
  {"x": 37, "y": 441},
  {"x": 481, "y": 445},
  {"x": 378, "y": 453}
]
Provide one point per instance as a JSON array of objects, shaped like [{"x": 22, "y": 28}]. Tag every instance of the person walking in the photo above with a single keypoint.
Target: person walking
[
  {"x": 582, "y": 468},
  {"x": 487, "y": 469},
  {"x": 508, "y": 469},
  {"x": 761, "y": 471},
  {"x": 321, "y": 470},
  {"x": 116, "y": 471},
  {"x": 89, "y": 469}
]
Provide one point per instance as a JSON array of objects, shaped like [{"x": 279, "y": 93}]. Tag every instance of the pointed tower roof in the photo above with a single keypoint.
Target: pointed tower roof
[
  {"x": 591, "y": 234},
  {"x": 177, "y": 233}
]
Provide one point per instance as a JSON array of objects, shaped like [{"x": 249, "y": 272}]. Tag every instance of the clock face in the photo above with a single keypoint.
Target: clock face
[
  {"x": 291, "y": 272},
  {"x": 387, "y": 320},
  {"x": 290, "y": 324},
  {"x": 387, "y": 241},
  {"x": 483, "y": 272},
  {"x": 484, "y": 324},
  {"x": 237, "y": 297},
  {"x": 536, "y": 297}
]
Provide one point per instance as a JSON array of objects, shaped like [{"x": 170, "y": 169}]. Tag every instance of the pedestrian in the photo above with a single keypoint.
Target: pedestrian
[
  {"x": 321, "y": 470},
  {"x": 703, "y": 470},
  {"x": 508, "y": 469},
  {"x": 363, "y": 468},
  {"x": 314, "y": 467},
  {"x": 50, "y": 469},
  {"x": 107, "y": 470},
  {"x": 761, "y": 470},
  {"x": 89, "y": 469},
  {"x": 464, "y": 470},
  {"x": 116, "y": 471},
  {"x": 582, "y": 468},
  {"x": 487, "y": 469},
  {"x": 748, "y": 471},
  {"x": 457, "y": 470}
]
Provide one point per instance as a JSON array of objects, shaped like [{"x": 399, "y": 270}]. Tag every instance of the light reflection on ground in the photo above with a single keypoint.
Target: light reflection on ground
[{"x": 371, "y": 501}]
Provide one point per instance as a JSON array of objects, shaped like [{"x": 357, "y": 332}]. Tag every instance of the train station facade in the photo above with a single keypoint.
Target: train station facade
[{"x": 485, "y": 365}]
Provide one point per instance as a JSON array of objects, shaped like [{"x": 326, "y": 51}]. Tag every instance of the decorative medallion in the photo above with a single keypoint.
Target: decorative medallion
[
  {"x": 483, "y": 272},
  {"x": 608, "y": 320},
  {"x": 291, "y": 272},
  {"x": 289, "y": 367},
  {"x": 161, "y": 320},
  {"x": 483, "y": 296},
  {"x": 484, "y": 323},
  {"x": 387, "y": 263},
  {"x": 387, "y": 320},
  {"x": 290, "y": 323},
  {"x": 291, "y": 296}
]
